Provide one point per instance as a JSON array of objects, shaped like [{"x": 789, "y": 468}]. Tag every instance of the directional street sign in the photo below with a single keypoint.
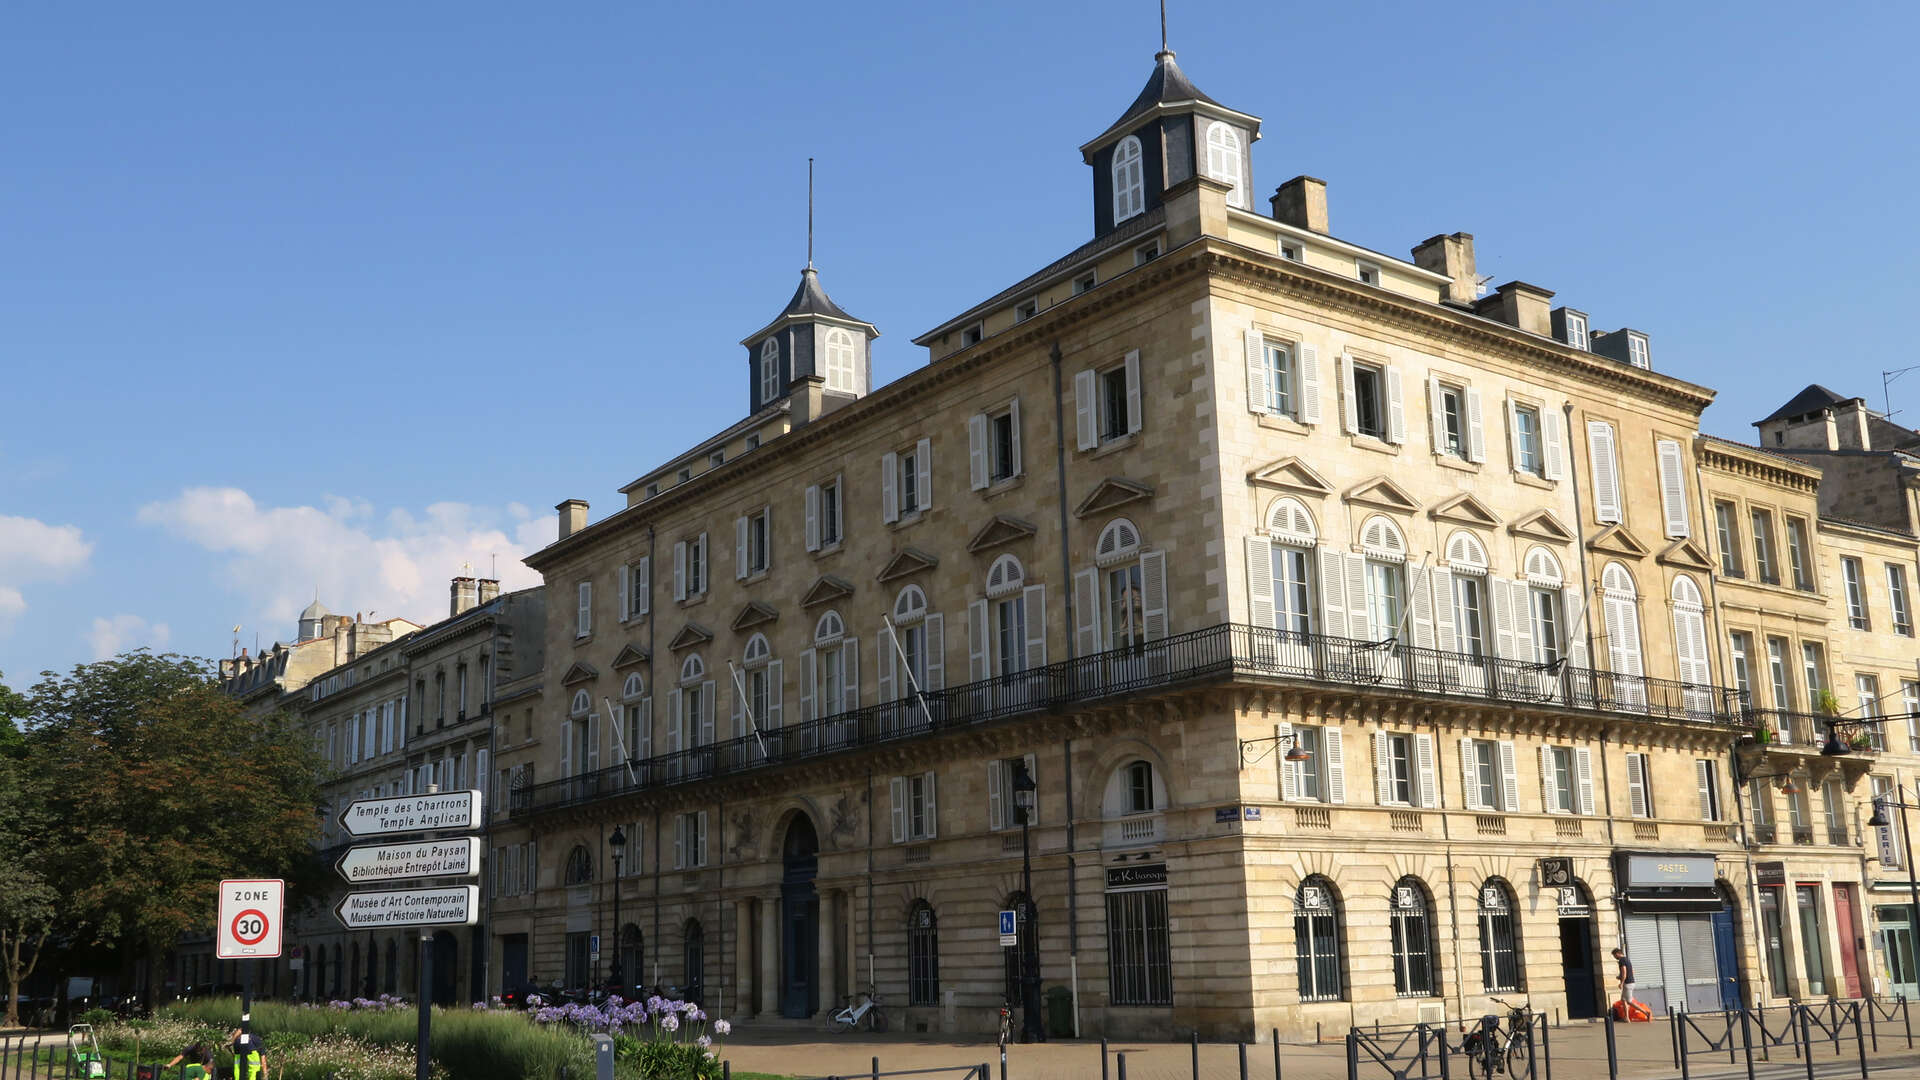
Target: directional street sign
[
  {"x": 455, "y": 857},
  {"x": 453, "y": 905},
  {"x": 448, "y": 810},
  {"x": 249, "y": 920}
]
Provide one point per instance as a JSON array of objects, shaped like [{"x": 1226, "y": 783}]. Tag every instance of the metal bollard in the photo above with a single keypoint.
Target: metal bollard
[
  {"x": 726, "y": 1070},
  {"x": 1746, "y": 1039},
  {"x": 1120, "y": 1060},
  {"x": 1444, "y": 1074},
  {"x": 1908, "y": 1016},
  {"x": 1680, "y": 1044},
  {"x": 1546, "y": 1047},
  {"x": 1613, "y": 1051},
  {"x": 1243, "y": 1061},
  {"x": 1673, "y": 1035},
  {"x": 1103, "y": 1057},
  {"x": 876, "y": 1067},
  {"x": 1196, "y": 1055},
  {"x": 1727, "y": 1015},
  {"x": 1873, "y": 1025},
  {"x": 1533, "y": 1063},
  {"x": 1276, "y": 1054},
  {"x": 1353, "y": 1056},
  {"x": 1859, "y": 1040},
  {"x": 1806, "y": 1037}
]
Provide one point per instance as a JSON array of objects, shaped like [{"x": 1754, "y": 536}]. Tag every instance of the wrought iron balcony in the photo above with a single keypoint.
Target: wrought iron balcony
[{"x": 1228, "y": 651}]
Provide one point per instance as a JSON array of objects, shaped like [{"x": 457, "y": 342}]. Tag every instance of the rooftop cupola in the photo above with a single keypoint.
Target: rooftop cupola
[{"x": 1169, "y": 131}]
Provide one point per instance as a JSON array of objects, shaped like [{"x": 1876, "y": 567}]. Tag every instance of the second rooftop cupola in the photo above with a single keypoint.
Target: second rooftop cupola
[
  {"x": 813, "y": 338},
  {"x": 1171, "y": 132}
]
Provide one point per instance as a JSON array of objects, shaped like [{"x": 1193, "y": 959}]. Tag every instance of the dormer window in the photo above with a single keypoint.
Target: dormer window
[
  {"x": 685, "y": 475},
  {"x": 842, "y": 368},
  {"x": 1369, "y": 273},
  {"x": 1290, "y": 251},
  {"x": 1576, "y": 330},
  {"x": 1026, "y": 309},
  {"x": 1637, "y": 353},
  {"x": 1146, "y": 252},
  {"x": 716, "y": 459},
  {"x": 1223, "y": 161},
  {"x": 1084, "y": 282},
  {"x": 769, "y": 370},
  {"x": 1129, "y": 184},
  {"x": 971, "y": 335},
  {"x": 653, "y": 489},
  {"x": 753, "y": 440}
]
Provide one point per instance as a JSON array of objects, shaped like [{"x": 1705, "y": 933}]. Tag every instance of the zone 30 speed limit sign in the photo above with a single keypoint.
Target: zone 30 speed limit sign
[{"x": 249, "y": 922}]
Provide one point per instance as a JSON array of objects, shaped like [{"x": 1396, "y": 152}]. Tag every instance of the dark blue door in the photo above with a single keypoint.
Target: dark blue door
[{"x": 1726, "y": 957}]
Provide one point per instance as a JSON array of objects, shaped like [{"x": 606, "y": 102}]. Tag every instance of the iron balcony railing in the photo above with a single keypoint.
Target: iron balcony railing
[{"x": 1224, "y": 651}]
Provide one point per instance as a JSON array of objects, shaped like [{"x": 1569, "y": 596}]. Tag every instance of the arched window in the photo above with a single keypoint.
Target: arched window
[
  {"x": 910, "y": 606},
  {"x": 582, "y": 704},
  {"x": 695, "y": 961},
  {"x": 842, "y": 367},
  {"x": 1412, "y": 926},
  {"x": 1288, "y": 561},
  {"x": 1543, "y": 568},
  {"x": 633, "y": 688},
  {"x": 1466, "y": 554},
  {"x": 1005, "y": 576},
  {"x": 1546, "y": 606},
  {"x": 920, "y": 638},
  {"x": 760, "y": 677},
  {"x": 1386, "y": 576},
  {"x": 1622, "y": 608},
  {"x": 1140, "y": 794},
  {"x": 923, "y": 955},
  {"x": 756, "y": 651},
  {"x": 1380, "y": 538},
  {"x": 1119, "y": 541},
  {"x": 579, "y": 870},
  {"x": 1289, "y": 522},
  {"x": 1467, "y": 558},
  {"x": 1690, "y": 647},
  {"x": 1129, "y": 183},
  {"x": 829, "y": 629},
  {"x": 692, "y": 669},
  {"x": 1318, "y": 940},
  {"x": 769, "y": 370},
  {"x": 1223, "y": 160},
  {"x": 1499, "y": 947},
  {"x": 1002, "y": 621},
  {"x": 632, "y": 956}
]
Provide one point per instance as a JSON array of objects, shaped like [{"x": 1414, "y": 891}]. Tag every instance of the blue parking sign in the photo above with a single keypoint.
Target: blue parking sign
[{"x": 1009, "y": 933}]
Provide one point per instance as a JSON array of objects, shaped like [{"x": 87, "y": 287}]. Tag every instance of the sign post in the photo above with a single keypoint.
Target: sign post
[{"x": 247, "y": 929}]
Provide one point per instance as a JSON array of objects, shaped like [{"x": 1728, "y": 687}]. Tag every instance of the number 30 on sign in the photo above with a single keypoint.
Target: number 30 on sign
[{"x": 249, "y": 921}]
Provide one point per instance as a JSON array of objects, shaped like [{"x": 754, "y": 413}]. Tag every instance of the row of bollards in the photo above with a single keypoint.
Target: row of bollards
[{"x": 1120, "y": 1059}]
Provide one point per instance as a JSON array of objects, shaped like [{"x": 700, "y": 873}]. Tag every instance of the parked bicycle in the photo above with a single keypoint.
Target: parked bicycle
[
  {"x": 868, "y": 1011},
  {"x": 1490, "y": 1050},
  {"x": 1006, "y": 1025}
]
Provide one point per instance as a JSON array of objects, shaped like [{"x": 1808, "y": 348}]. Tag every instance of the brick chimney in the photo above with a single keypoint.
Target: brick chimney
[
  {"x": 1451, "y": 255},
  {"x": 1521, "y": 305},
  {"x": 463, "y": 593},
  {"x": 573, "y": 516},
  {"x": 1302, "y": 203}
]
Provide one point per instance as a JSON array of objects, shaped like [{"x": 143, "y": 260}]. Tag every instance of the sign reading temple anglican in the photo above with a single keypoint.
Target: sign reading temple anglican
[{"x": 412, "y": 813}]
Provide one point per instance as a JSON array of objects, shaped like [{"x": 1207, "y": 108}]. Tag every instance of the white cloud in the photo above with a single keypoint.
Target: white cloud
[
  {"x": 33, "y": 551},
  {"x": 395, "y": 564},
  {"x": 116, "y": 634}
]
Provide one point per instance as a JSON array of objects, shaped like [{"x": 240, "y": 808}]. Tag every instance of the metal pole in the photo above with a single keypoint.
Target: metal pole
[
  {"x": 1673, "y": 1034},
  {"x": 1907, "y": 1014},
  {"x": 1032, "y": 1030},
  {"x": 1873, "y": 1025},
  {"x": 1727, "y": 1014},
  {"x": 1746, "y": 1039},
  {"x": 1546, "y": 1047},
  {"x": 1121, "y": 1058},
  {"x": 1613, "y": 1051},
  {"x": 1913, "y": 885},
  {"x": 1353, "y": 1058},
  {"x": 1859, "y": 1039},
  {"x": 876, "y": 1067},
  {"x": 1276, "y": 1055},
  {"x": 1680, "y": 1044},
  {"x": 1806, "y": 1037},
  {"x": 1103, "y": 1057},
  {"x": 1243, "y": 1061},
  {"x": 1533, "y": 1063},
  {"x": 423, "y": 1060},
  {"x": 615, "y": 975},
  {"x": 1196, "y": 1056}
]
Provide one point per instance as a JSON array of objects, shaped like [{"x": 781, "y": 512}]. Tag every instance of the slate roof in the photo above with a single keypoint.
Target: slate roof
[
  {"x": 1167, "y": 85},
  {"x": 811, "y": 299},
  {"x": 1814, "y": 398}
]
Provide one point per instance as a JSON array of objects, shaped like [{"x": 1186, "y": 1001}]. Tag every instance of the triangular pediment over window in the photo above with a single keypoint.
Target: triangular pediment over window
[
  {"x": 1290, "y": 474},
  {"x": 1384, "y": 493},
  {"x": 825, "y": 590},
  {"x": 1001, "y": 530},
  {"x": 907, "y": 562},
  {"x": 1616, "y": 540},
  {"x": 580, "y": 672},
  {"x": 690, "y": 635},
  {"x": 629, "y": 656},
  {"x": 754, "y": 614},
  {"x": 1111, "y": 492},
  {"x": 1466, "y": 510},
  {"x": 1542, "y": 525},
  {"x": 1688, "y": 553}
]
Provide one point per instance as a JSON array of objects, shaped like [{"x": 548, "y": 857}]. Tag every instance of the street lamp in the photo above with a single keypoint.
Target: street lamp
[
  {"x": 618, "y": 842},
  {"x": 1031, "y": 1028}
]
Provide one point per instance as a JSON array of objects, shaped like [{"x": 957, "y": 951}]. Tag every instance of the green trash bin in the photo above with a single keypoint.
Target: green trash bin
[{"x": 1059, "y": 1007}]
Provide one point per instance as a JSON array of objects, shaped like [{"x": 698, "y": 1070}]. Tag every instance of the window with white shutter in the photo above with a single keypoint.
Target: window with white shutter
[
  {"x": 1673, "y": 488},
  {"x": 1639, "y": 789},
  {"x": 1707, "y": 774},
  {"x": 1606, "y": 472},
  {"x": 583, "y": 625}
]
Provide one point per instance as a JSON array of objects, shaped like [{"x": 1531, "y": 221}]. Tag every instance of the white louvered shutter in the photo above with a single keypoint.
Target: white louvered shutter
[
  {"x": 706, "y": 713},
  {"x": 680, "y": 570},
  {"x": 585, "y": 625},
  {"x": 1554, "y": 437},
  {"x": 1396, "y": 407},
  {"x": 1336, "y": 766},
  {"x": 1549, "y": 784},
  {"x": 1606, "y": 472},
  {"x": 933, "y": 808},
  {"x": 1571, "y": 609},
  {"x": 1309, "y": 361},
  {"x": 996, "y": 794},
  {"x": 1382, "y": 770},
  {"x": 1522, "y": 595},
  {"x": 889, "y": 487},
  {"x": 808, "y": 677},
  {"x": 1476, "y": 428},
  {"x": 850, "y": 674},
  {"x": 734, "y": 691},
  {"x": 1673, "y": 489},
  {"x": 776, "y": 695},
  {"x": 936, "y": 632},
  {"x": 1703, "y": 776},
  {"x": 1583, "y": 776},
  {"x": 1349, "y": 408},
  {"x": 1500, "y": 594},
  {"x": 643, "y": 741},
  {"x": 887, "y": 656},
  {"x": 625, "y": 577},
  {"x": 1155, "y": 618},
  {"x": 813, "y": 517},
  {"x": 1086, "y": 612},
  {"x": 1333, "y": 594},
  {"x": 1429, "y": 766},
  {"x": 1035, "y": 599},
  {"x": 1258, "y": 391},
  {"x": 706, "y": 565},
  {"x": 1357, "y": 614},
  {"x": 676, "y": 724},
  {"x": 977, "y": 450},
  {"x": 1637, "y": 785},
  {"x": 1443, "y": 630},
  {"x": 1509, "y": 778},
  {"x": 739, "y": 548},
  {"x": 1086, "y": 420},
  {"x": 700, "y": 839},
  {"x": 1513, "y": 435},
  {"x": 1134, "y": 417},
  {"x": 1420, "y": 606},
  {"x": 566, "y": 749},
  {"x": 978, "y": 655},
  {"x": 594, "y": 735},
  {"x": 1469, "y": 780},
  {"x": 923, "y": 467},
  {"x": 1623, "y": 636},
  {"x": 680, "y": 842},
  {"x": 1436, "y": 416},
  {"x": 1289, "y": 770},
  {"x": 1013, "y": 412},
  {"x": 1260, "y": 607}
]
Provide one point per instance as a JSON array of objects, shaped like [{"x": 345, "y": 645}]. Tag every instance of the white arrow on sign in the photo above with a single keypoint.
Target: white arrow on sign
[
  {"x": 453, "y": 905},
  {"x": 457, "y": 857},
  {"x": 412, "y": 813}
]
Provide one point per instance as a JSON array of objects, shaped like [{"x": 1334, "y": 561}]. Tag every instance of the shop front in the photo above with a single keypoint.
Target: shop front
[
  {"x": 1681, "y": 931},
  {"x": 1893, "y": 942}
]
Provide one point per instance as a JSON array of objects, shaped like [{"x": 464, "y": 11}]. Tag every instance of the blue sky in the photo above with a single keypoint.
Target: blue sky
[{"x": 340, "y": 298}]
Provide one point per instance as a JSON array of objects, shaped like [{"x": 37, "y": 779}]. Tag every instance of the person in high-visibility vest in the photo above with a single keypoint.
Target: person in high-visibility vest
[
  {"x": 199, "y": 1062},
  {"x": 248, "y": 1062}
]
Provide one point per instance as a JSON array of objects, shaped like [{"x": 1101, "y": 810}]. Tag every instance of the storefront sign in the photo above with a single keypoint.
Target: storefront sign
[
  {"x": 1571, "y": 906},
  {"x": 1667, "y": 871},
  {"x": 1770, "y": 873},
  {"x": 1127, "y": 878},
  {"x": 1224, "y": 814}
]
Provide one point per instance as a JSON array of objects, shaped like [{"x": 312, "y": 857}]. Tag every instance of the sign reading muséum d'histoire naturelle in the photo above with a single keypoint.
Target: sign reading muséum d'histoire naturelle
[{"x": 451, "y": 905}]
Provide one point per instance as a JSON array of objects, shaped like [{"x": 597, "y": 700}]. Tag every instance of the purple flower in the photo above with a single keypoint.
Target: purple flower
[
  {"x": 689, "y": 1007},
  {"x": 721, "y": 1027},
  {"x": 670, "y": 1022},
  {"x": 703, "y": 1042}
]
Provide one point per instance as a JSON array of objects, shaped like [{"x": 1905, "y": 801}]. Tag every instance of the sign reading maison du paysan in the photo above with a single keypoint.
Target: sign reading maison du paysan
[
  {"x": 412, "y": 813},
  {"x": 453, "y": 905},
  {"x": 455, "y": 857}
]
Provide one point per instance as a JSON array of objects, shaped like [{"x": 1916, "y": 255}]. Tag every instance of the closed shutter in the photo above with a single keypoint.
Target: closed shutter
[
  {"x": 624, "y": 576},
  {"x": 1134, "y": 418},
  {"x": 996, "y": 794},
  {"x": 933, "y": 808},
  {"x": 1349, "y": 408},
  {"x": 1289, "y": 770},
  {"x": 936, "y": 631},
  {"x": 886, "y": 653},
  {"x": 1637, "y": 785},
  {"x": 776, "y": 695},
  {"x": 977, "y": 451},
  {"x": 1643, "y": 948},
  {"x": 680, "y": 842},
  {"x": 1549, "y": 783},
  {"x": 813, "y": 517},
  {"x": 1309, "y": 358},
  {"x": 850, "y": 674},
  {"x": 1623, "y": 636},
  {"x": 1499, "y": 593},
  {"x": 1509, "y": 778},
  {"x": 1336, "y": 766},
  {"x": 923, "y": 466},
  {"x": 1333, "y": 594},
  {"x": 897, "y": 792},
  {"x": 566, "y": 750},
  {"x": 643, "y": 586},
  {"x": 1420, "y": 603},
  {"x": 1690, "y": 634},
  {"x": 1703, "y": 777},
  {"x": 1476, "y": 429},
  {"x": 1573, "y": 626},
  {"x": 1522, "y": 595},
  {"x": 676, "y": 723},
  {"x": 700, "y": 845},
  {"x": 585, "y": 625},
  {"x": 739, "y": 548},
  {"x": 680, "y": 570},
  {"x": 1469, "y": 781},
  {"x": 594, "y": 736},
  {"x": 699, "y": 583},
  {"x": 1260, "y": 610},
  {"x": 1428, "y": 761},
  {"x": 1014, "y": 415},
  {"x": 1035, "y": 599},
  {"x": 977, "y": 651},
  {"x": 1258, "y": 391},
  {"x": 1382, "y": 770},
  {"x": 808, "y": 677},
  {"x": 1553, "y": 429},
  {"x": 1155, "y": 618},
  {"x": 1357, "y": 614},
  {"x": 889, "y": 487},
  {"x": 1673, "y": 488},
  {"x": 1443, "y": 630},
  {"x": 1606, "y": 473},
  {"x": 1583, "y": 776},
  {"x": 1513, "y": 434},
  {"x": 737, "y": 693},
  {"x": 706, "y": 713},
  {"x": 1086, "y": 420},
  {"x": 1086, "y": 612},
  {"x": 1396, "y": 407},
  {"x": 1436, "y": 416}
]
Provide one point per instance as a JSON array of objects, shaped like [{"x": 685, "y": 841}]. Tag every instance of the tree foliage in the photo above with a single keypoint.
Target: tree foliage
[{"x": 29, "y": 904}]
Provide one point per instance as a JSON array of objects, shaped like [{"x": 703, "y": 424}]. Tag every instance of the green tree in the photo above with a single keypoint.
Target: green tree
[
  {"x": 29, "y": 903},
  {"x": 158, "y": 785}
]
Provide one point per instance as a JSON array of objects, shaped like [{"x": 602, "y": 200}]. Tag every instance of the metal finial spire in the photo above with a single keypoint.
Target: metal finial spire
[
  {"x": 1163, "y": 26},
  {"x": 809, "y": 213}
]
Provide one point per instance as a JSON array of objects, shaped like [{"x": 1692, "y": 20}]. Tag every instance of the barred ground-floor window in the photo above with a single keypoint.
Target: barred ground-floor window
[
  {"x": 1413, "y": 974},
  {"x": 923, "y": 956},
  {"x": 1499, "y": 951},
  {"x": 1139, "y": 968}
]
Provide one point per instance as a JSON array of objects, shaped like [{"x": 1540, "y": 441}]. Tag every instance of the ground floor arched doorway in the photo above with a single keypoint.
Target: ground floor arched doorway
[
  {"x": 799, "y": 920},
  {"x": 1579, "y": 952}
]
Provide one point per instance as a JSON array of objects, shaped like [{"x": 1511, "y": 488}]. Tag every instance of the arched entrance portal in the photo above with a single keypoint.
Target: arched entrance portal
[
  {"x": 1579, "y": 960},
  {"x": 799, "y": 921},
  {"x": 1726, "y": 947}
]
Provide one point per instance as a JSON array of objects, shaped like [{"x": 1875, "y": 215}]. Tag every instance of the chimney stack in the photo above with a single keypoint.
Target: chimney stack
[
  {"x": 1521, "y": 305},
  {"x": 1451, "y": 255},
  {"x": 489, "y": 590},
  {"x": 1302, "y": 203},
  {"x": 573, "y": 516},
  {"x": 463, "y": 594}
]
